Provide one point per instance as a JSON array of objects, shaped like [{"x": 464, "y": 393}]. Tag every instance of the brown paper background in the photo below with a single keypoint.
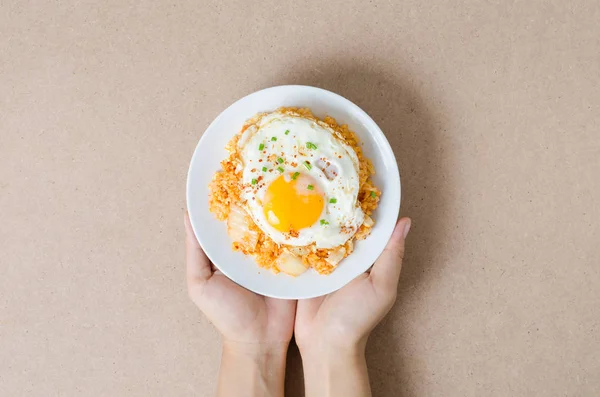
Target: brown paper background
[{"x": 492, "y": 109}]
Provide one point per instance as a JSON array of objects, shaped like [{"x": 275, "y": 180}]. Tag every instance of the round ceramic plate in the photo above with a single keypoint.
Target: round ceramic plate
[{"x": 212, "y": 233}]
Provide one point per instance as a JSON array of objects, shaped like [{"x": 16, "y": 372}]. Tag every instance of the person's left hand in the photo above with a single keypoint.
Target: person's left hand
[{"x": 244, "y": 318}]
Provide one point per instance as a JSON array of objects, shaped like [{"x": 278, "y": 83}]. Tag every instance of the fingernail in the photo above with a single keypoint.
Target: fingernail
[{"x": 407, "y": 228}]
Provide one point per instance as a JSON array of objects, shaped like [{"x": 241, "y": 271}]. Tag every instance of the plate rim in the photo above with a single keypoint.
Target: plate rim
[{"x": 372, "y": 126}]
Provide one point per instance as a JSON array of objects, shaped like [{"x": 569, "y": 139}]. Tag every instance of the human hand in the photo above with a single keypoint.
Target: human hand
[
  {"x": 239, "y": 314},
  {"x": 256, "y": 330},
  {"x": 331, "y": 331},
  {"x": 346, "y": 317}
]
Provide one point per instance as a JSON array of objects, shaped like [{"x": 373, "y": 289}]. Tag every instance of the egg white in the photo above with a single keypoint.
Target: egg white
[{"x": 342, "y": 218}]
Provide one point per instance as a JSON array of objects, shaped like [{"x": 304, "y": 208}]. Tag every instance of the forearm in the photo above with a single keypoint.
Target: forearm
[
  {"x": 252, "y": 370},
  {"x": 336, "y": 372}
]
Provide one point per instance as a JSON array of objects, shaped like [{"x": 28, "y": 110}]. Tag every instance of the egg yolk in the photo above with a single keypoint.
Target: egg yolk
[{"x": 293, "y": 204}]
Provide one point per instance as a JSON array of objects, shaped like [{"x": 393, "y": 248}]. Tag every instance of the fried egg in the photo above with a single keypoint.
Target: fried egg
[{"x": 300, "y": 181}]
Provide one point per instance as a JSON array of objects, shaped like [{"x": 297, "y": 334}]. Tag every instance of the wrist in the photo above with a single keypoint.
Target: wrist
[
  {"x": 255, "y": 350},
  {"x": 329, "y": 354},
  {"x": 323, "y": 348},
  {"x": 254, "y": 369},
  {"x": 335, "y": 370}
]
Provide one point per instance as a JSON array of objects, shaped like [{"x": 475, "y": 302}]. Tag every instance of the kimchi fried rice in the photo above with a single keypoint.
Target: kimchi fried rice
[{"x": 225, "y": 204}]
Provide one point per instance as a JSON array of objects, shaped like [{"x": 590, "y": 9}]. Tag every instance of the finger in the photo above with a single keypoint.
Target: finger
[
  {"x": 198, "y": 264},
  {"x": 386, "y": 270}
]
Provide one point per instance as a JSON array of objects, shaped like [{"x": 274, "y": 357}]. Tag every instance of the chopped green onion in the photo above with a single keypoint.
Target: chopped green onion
[
  {"x": 261, "y": 146},
  {"x": 333, "y": 201},
  {"x": 254, "y": 181},
  {"x": 311, "y": 145},
  {"x": 373, "y": 194},
  {"x": 310, "y": 187},
  {"x": 287, "y": 132},
  {"x": 324, "y": 222},
  {"x": 264, "y": 169},
  {"x": 274, "y": 138},
  {"x": 307, "y": 165},
  {"x": 280, "y": 160},
  {"x": 280, "y": 169},
  {"x": 296, "y": 174}
]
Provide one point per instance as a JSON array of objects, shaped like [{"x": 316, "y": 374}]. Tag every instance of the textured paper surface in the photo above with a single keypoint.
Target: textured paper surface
[{"x": 492, "y": 109}]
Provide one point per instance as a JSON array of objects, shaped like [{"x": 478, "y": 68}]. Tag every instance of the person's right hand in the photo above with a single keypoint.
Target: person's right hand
[
  {"x": 331, "y": 331},
  {"x": 346, "y": 317}
]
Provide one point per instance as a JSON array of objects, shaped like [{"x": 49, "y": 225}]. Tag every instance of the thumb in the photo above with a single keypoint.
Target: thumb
[
  {"x": 197, "y": 263},
  {"x": 386, "y": 270}
]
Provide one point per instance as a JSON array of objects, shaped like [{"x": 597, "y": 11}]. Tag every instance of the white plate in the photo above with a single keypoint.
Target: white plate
[{"x": 212, "y": 233}]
